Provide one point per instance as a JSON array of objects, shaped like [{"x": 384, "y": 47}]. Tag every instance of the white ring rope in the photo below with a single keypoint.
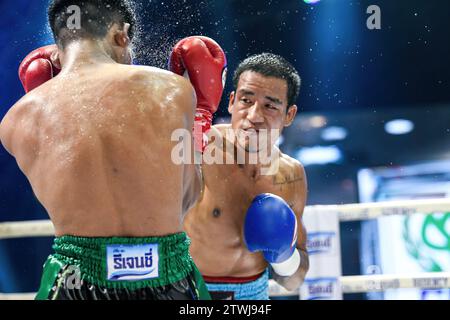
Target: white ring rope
[
  {"x": 379, "y": 283},
  {"x": 347, "y": 212},
  {"x": 26, "y": 229},
  {"x": 383, "y": 282},
  {"x": 366, "y": 211},
  {"x": 17, "y": 296}
]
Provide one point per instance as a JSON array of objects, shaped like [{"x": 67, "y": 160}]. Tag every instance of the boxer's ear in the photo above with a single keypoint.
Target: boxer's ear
[
  {"x": 122, "y": 37},
  {"x": 126, "y": 30},
  {"x": 56, "y": 59},
  {"x": 290, "y": 115},
  {"x": 231, "y": 102}
]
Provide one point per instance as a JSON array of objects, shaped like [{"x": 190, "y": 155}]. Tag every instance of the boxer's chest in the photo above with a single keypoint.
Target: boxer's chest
[{"x": 232, "y": 188}]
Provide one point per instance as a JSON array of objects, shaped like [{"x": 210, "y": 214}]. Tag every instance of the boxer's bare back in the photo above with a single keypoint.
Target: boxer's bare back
[{"x": 95, "y": 145}]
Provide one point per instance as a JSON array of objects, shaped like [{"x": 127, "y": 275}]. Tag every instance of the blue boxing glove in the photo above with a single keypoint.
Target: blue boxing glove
[{"x": 271, "y": 228}]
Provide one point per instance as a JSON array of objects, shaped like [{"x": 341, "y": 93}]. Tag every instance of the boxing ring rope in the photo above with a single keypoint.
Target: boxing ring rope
[
  {"x": 26, "y": 229},
  {"x": 379, "y": 283},
  {"x": 346, "y": 212},
  {"x": 17, "y": 296},
  {"x": 367, "y": 211}
]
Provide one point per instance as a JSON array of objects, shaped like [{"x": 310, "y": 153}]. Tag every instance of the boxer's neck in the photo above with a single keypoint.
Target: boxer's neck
[
  {"x": 84, "y": 53},
  {"x": 266, "y": 162}
]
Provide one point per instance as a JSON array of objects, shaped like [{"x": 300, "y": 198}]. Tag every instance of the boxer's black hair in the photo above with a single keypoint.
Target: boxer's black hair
[
  {"x": 96, "y": 17},
  {"x": 271, "y": 65}
]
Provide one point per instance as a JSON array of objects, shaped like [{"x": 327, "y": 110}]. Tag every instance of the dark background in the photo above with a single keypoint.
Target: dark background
[{"x": 354, "y": 77}]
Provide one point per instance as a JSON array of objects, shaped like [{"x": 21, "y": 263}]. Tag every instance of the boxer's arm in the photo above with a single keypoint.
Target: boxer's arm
[
  {"x": 296, "y": 280},
  {"x": 192, "y": 173},
  {"x": 5, "y": 134},
  {"x": 18, "y": 134},
  {"x": 203, "y": 61},
  {"x": 192, "y": 181},
  {"x": 7, "y": 129},
  {"x": 39, "y": 66}
]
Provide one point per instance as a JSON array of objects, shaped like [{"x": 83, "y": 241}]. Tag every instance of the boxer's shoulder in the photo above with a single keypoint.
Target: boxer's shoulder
[
  {"x": 162, "y": 81},
  {"x": 6, "y": 128},
  {"x": 222, "y": 128},
  {"x": 219, "y": 130},
  {"x": 146, "y": 72},
  {"x": 291, "y": 170},
  {"x": 23, "y": 107},
  {"x": 217, "y": 136},
  {"x": 290, "y": 162},
  {"x": 13, "y": 120}
]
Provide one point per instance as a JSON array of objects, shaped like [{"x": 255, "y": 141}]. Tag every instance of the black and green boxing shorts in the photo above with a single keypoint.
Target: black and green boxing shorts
[{"x": 156, "y": 268}]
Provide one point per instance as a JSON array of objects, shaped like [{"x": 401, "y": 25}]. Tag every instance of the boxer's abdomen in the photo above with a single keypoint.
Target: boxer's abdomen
[{"x": 217, "y": 245}]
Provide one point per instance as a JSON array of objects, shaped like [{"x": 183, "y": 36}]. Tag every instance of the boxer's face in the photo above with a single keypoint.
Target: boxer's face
[{"x": 257, "y": 107}]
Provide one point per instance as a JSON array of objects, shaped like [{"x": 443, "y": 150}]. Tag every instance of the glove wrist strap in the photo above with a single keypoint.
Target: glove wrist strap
[
  {"x": 202, "y": 125},
  {"x": 288, "y": 267}
]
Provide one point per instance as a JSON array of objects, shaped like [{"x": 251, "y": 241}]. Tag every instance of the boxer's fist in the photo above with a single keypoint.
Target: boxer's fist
[
  {"x": 271, "y": 227},
  {"x": 204, "y": 62},
  {"x": 37, "y": 68}
]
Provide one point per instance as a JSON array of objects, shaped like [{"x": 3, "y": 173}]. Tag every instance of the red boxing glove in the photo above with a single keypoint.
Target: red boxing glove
[
  {"x": 205, "y": 63},
  {"x": 37, "y": 68}
]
